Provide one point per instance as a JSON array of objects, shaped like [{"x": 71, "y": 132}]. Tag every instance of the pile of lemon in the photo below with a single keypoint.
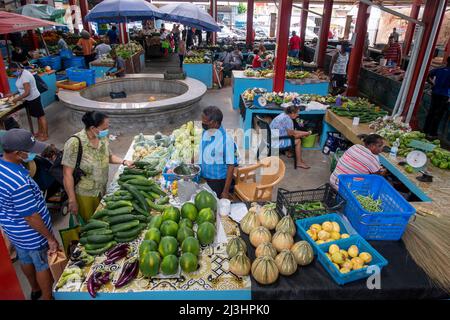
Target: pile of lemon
[
  {"x": 326, "y": 232},
  {"x": 348, "y": 260}
]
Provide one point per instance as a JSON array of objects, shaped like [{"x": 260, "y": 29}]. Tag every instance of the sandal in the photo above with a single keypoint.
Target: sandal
[{"x": 303, "y": 166}]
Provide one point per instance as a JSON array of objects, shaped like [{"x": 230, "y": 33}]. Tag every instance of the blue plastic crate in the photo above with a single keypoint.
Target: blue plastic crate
[
  {"x": 74, "y": 62},
  {"x": 386, "y": 225},
  {"x": 173, "y": 177},
  {"x": 66, "y": 54},
  {"x": 304, "y": 224},
  {"x": 53, "y": 61},
  {"x": 79, "y": 75},
  {"x": 363, "y": 246}
]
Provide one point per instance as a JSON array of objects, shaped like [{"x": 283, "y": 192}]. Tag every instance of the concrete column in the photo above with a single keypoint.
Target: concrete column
[
  {"x": 354, "y": 65},
  {"x": 325, "y": 28},
  {"x": 284, "y": 23},
  {"x": 415, "y": 8}
]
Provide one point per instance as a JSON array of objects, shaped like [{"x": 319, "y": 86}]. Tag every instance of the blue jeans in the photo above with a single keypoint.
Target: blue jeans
[
  {"x": 294, "y": 53},
  {"x": 37, "y": 257}
]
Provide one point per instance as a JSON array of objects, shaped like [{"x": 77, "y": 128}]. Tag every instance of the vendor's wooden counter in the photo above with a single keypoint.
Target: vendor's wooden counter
[{"x": 438, "y": 192}]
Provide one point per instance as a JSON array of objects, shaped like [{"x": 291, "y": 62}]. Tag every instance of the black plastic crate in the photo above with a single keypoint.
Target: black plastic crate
[{"x": 287, "y": 200}]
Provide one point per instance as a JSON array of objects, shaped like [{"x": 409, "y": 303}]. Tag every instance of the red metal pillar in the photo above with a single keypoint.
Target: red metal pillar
[
  {"x": 213, "y": 13},
  {"x": 84, "y": 8},
  {"x": 123, "y": 34},
  {"x": 417, "y": 83},
  {"x": 250, "y": 9},
  {"x": 4, "y": 85},
  {"x": 284, "y": 22},
  {"x": 357, "y": 51},
  {"x": 303, "y": 22},
  {"x": 415, "y": 8},
  {"x": 325, "y": 28},
  {"x": 73, "y": 5}
]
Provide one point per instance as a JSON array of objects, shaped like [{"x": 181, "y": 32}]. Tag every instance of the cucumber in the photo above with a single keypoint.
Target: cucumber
[
  {"x": 146, "y": 195},
  {"x": 154, "y": 195},
  {"x": 156, "y": 207},
  {"x": 141, "y": 218},
  {"x": 141, "y": 182},
  {"x": 99, "y": 214},
  {"x": 101, "y": 238},
  {"x": 120, "y": 193},
  {"x": 111, "y": 205},
  {"x": 153, "y": 173},
  {"x": 123, "y": 240},
  {"x": 139, "y": 209},
  {"x": 134, "y": 171},
  {"x": 164, "y": 200},
  {"x": 142, "y": 164},
  {"x": 83, "y": 241},
  {"x": 158, "y": 190},
  {"x": 131, "y": 232},
  {"x": 137, "y": 195},
  {"x": 95, "y": 246},
  {"x": 118, "y": 198},
  {"x": 124, "y": 226},
  {"x": 120, "y": 219},
  {"x": 94, "y": 224},
  {"x": 102, "y": 249},
  {"x": 97, "y": 232},
  {"x": 126, "y": 177},
  {"x": 119, "y": 211}
]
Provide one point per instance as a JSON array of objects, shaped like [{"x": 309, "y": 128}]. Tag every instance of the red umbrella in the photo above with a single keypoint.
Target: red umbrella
[{"x": 12, "y": 22}]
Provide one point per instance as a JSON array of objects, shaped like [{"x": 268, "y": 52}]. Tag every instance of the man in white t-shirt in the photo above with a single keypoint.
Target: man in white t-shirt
[
  {"x": 103, "y": 48},
  {"x": 31, "y": 97}
]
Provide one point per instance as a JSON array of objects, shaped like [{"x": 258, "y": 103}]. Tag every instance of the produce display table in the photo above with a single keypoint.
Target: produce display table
[
  {"x": 47, "y": 97},
  {"x": 100, "y": 67},
  {"x": 240, "y": 83},
  {"x": 211, "y": 281},
  {"x": 248, "y": 112},
  {"x": 200, "y": 71},
  {"x": 436, "y": 195},
  {"x": 7, "y": 112}
]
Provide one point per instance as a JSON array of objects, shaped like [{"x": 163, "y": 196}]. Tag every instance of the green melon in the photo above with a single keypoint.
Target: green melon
[
  {"x": 206, "y": 233},
  {"x": 167, "y": 246},
  {"x": 169, "y": 265},
  {"x": 188, "y": 262},
  {"x": 183, "y": 233},
  {"x": 156, "y": 221},
  {"x": 171, "y": 213},
  {"x": 149, "y": 264},
  {"x": 169, "y": 228},
  {"x": 147, "y": 246},
  {"x": 185, "y": 223},
  {"x": 153, "y": 234},
  {"x": 190, "y": 244},
  {"x": 206, "y": 215},
  {"x": 204, "y": 199},
  {"x": 189, "y": 211}
]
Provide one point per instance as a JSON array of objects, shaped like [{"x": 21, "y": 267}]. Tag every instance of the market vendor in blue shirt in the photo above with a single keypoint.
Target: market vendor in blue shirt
[{"x": 218, "y": 153}]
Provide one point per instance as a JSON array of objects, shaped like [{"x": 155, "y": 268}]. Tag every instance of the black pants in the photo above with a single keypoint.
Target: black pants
[
  {"x": 438, "y": 106},
  {"x": 88, "y": 59},
  {"x": 181, "y": 60},
  {"x": 218, "y": 185}
]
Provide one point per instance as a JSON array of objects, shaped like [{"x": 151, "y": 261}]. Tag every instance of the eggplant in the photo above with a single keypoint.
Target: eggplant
[
  {"x": 90, "y": 286},
  {"x": 119, "y": 247},
  {"x": 129, "y": 273},
  {"x": 116, "y": 257}
]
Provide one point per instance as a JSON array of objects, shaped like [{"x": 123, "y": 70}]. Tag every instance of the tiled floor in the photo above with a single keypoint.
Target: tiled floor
[{"x": 60, "y": 129}]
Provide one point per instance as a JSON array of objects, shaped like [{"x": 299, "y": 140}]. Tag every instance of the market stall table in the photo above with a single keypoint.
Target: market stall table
[
  {"x": 240, "y": 83},
  {"x": 248, "y": 112},
  {"x": 200, "y": 71},
  {"x": 7, "y": 112},
  {"x": 47, "y": 97}
]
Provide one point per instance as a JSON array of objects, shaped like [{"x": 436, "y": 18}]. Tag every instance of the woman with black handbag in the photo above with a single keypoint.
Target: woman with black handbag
[
  {"x": 31, "y": 97},
  {"x": 87, "y": 154}
]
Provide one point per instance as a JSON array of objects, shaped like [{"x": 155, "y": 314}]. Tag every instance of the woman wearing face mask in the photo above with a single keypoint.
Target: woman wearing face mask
[
  {"x": 85, "y": 197},
  {"x": 31, "y": 97}
]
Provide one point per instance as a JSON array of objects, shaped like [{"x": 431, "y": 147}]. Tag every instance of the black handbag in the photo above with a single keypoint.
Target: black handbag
[
  {"x": 57, "y": 168},
  {"x": 40, "y": 84}
]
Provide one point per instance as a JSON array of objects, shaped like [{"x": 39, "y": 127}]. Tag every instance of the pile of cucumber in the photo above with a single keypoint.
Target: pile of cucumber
[
  {"x": 361, "y": 108},
  {"x": 126, "y": 212}
]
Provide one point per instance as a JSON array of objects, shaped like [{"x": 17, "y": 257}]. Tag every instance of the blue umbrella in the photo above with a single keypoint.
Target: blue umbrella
[
  {"x": 191, "y": 15},
  {"x": 123, "y": 11}
]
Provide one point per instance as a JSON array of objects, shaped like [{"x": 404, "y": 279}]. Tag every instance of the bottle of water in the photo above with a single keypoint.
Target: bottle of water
[{"x": 394, "y": 149}]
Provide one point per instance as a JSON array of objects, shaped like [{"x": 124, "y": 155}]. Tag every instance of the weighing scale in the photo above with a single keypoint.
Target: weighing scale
[{"x": 418, "y": 160}]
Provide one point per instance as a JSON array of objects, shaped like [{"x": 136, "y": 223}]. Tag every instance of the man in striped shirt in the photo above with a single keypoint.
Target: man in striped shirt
[
  {"x": 359, "y": 159},
  {"x": 23, "y": 212},
  {"x": 393, "y": 52}
]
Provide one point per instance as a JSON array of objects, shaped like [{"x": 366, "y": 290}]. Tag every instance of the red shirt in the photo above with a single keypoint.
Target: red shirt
[
  {"x": 256, "y": 62},
  {"x": 294, "y": 43},
  {"x": 393, "y": 53},
  {"x": 330, "y": 34}
]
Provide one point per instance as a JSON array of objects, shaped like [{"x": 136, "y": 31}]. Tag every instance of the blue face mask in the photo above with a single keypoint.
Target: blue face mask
[
  {"x": 103, "y": 134},
  {"x": 31, "y": 156}
]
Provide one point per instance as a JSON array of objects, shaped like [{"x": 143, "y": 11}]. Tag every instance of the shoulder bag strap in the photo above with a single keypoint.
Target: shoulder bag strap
[{"x": 80, "y": 152}]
